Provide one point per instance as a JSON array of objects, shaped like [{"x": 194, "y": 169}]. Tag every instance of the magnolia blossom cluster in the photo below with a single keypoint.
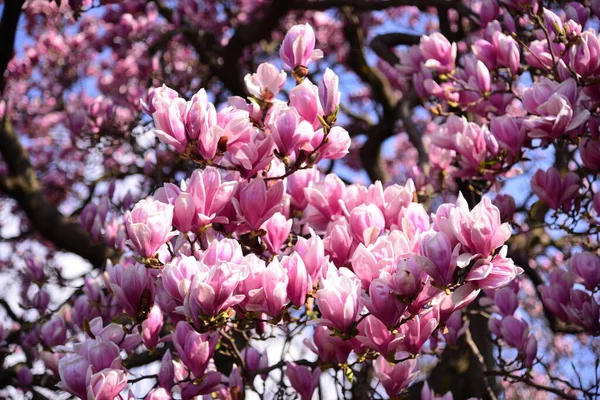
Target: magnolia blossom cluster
[
  {"x": 384, "y": 274},
  {"x": 572, "y": 293},
  {"x": 258, "y": 236},
  {"x": 509, "y": 118}
]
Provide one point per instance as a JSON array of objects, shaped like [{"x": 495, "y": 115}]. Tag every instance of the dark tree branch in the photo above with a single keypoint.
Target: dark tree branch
[{"x": 8, "y": 32}]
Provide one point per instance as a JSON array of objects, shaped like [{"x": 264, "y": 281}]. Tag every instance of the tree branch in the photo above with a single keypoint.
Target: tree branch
[{"x": 8, "y": 32}]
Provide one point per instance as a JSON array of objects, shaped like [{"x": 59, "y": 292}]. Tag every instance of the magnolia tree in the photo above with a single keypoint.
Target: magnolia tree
[{"x": 186, "y": 207}]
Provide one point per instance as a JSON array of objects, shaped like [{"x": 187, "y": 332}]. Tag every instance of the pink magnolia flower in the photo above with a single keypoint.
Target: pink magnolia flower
[
  {"x": 151, "y": 327},
  {"x": 266, "y": 82},
  {"x": 213, "y": 292},
  {"x": 177, "y": 276},
  {"x": 289, "y": 131},
  {"x": 200, "y": 115},
  {"x": 299, "y": 281},
  {"x": 440, "y": 259},
  {"x": 479, "y": 230},
  {"x": 101, "y": 353},
  {"x": 506, "y": 300},
  {"x": 194, "y": 349},
  {"x": 133, "y": 286},
  {"x": 383, "y": 303},
  {"x": 338, "y": 242},
  {"x": 438, "y": 53},
  {"x": 586, "y": 266},
  {"x": 585, "y": 54},
  {"x": 339, "y": 299},
  {"x": 106, "y": 384},
  {"x": 169, "y": 122},
  {"x": 589, "y": 150},
  {"x": 278, "y": 230},
  {"x": 298, "y": 47},
  {"x": 210, "y": 194},
  {"x": 417, "y": 332},
  {"x": 272, "y": 296},
  {"x": 583, "y": 310},
  {"x": 75, "y": 374},
  {"x": 556, "y": 296},
  {"x": 329, "y": 348},
  {"x": 256, "y": 203},
  {"x": 163, "y": 93},
  {"x": 553, "y": 190},
  {"x": 54, "y": 331},
  {"x": 296, "y": 183},
  {"x": 312, "y": 252},
  {"x": 395, "y": 377},
  {"x": 553, "y": 107},
  {"x": 366, "y": 223},
  {"x": 508, "y": 133},
  {"x": 302, "y": 380},
  {"x": 149, "y": 226},
  {"x": 506, "y": 205},
  {"x": 329, "y": 94},
  {"x": 374, "y": 334}
]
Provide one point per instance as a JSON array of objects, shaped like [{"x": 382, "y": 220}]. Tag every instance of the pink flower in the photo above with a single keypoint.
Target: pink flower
[
  {"x": 302, "y": 380},
  {"x": 329, "y": 94},
  {"x": 553, "y": 191},
  {"x": 210, "y": 194},
  {"x": 589, "y": 150},
  {"x": 383, "y": 304},
  {"x": 106, "y": 384},
  {"x": 133, "y": 286},
  {"x": 194, "y": 349},
  {"x": 417, "y": 331},
  {"x": 339, "y": 299},
  {"x": 583, "y": 310},
  {"x": 508, "y": 133},
  {"x": 479, "y": 230},
  {"x": 374, "y": 334},
  {"x": 273, "y": 293},
  {"x": 298, "y": 47},
  {"x": 585, "y": 54},
  {"x": 200, "y": 115},
  {"x": 75, "y": 374},
  {"x": 151, "y": 327},
  {"x": 366, "y": 223},
  {"x": 329, "y": 348},
  {"x": 337, "y": 144},
  {"x": 289, "y": 132},
  {"x": 586, "y": 266},
  {"x": 305, "y": 99},
  {"x": 296, "y": 183},
  {"x": 395, "y": 377},
  {"x": 256, "y": 203},
  {"x": 149, "y": 226},
  {"x": 440, "y": 258},
  {"x": 438, "y": 53},
  {"x": 299, "y": 281},
  {"x": 553, "y": 107},
  {"x": 266, "y": 82},
  {"x": 54, "y": 331},
  {"x": 506, "y": 205},
  {"x": 163, "y": 93},
  {"x": 169, "y": 122},
  {"x": 177, "y": 276},
  {"x": 213, "y": 292},
  {"x": 506, "y": 300}
]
